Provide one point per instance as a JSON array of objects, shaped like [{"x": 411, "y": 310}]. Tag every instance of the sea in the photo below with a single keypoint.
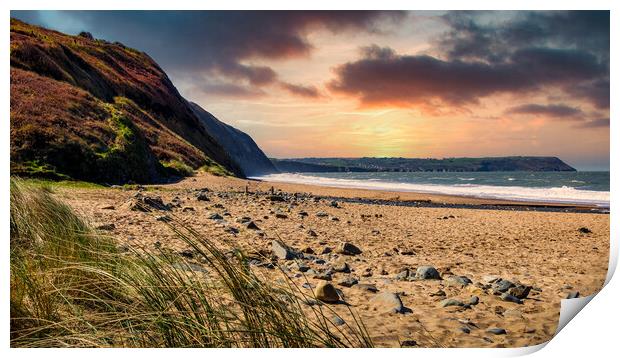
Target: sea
[{"x": 579, "y": 187}]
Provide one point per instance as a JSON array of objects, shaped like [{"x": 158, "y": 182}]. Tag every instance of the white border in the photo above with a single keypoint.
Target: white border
[{"x": 594, "y": 331}]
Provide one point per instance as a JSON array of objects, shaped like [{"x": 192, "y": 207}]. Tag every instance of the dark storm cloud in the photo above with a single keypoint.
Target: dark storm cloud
[
  {"x": 301, "y": 90},
  {"x": 473, "y": 36},
  {"x": 382, "y": 76},
  {"x": 486, "y": 53},
  {"x": 551, "y": 110},
  {"x": 217, "y": 42}
]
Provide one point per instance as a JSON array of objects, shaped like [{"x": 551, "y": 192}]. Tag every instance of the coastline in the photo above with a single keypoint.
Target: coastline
[
  {"x": 395, "y": 198},
  {"x": 557, "y": 252}
]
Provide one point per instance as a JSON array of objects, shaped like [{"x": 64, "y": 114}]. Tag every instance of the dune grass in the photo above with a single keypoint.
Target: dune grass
[{"x": 73, "y": 287}]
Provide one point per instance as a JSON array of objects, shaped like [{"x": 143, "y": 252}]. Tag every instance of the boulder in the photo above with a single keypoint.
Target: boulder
[
  {"x": 459, "y": 281},
  {"x": 449, "y": 302},
  {"x": 282, "y": 251},
  {"x": 346, "y": 248},
  {"x": 326, "y": 292},
  {"x": 427, "y": 273},
  {"x": 387, "y": 302}
]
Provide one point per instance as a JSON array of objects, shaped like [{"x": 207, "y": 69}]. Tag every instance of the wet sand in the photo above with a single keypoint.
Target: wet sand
[{"x": 519, "y": 242}]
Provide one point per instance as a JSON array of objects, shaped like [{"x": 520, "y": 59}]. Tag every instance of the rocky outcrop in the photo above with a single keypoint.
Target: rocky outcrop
[{"x": 240, "y": 146}]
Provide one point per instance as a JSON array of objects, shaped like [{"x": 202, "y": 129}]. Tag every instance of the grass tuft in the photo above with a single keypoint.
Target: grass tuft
[{"x": 72, "y": 287}]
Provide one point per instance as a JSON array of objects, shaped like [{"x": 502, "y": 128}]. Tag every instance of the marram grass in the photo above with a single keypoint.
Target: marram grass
[{"x": 72, "y": 287}]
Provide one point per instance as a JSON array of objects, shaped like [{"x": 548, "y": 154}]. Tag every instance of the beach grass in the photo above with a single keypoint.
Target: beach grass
[{"x": 71, "y": 286}]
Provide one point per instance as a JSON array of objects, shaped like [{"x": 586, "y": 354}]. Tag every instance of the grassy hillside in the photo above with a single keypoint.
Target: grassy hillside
[{"x": 93, "y": 110}]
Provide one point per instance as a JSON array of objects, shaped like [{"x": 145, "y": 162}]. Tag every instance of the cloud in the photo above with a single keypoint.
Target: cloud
[
  {"x": 218, "y": 43},
  {"x": 223, "y": 89},
  {"x": 472, "y": 35},
  {"x": 383, "y": 77},
  {"x": 596, "y": 123},
  {"x": 551, "y": 110},
  {"x": 301, "y": 90}
]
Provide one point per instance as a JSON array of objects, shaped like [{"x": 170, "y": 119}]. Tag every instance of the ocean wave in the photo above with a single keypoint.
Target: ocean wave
[
  {"x": 564, "y": 194},
  {"x": 467, "y": 179}
]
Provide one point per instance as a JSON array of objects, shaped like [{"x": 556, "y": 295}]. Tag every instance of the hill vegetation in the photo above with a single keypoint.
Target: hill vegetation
[
  {"x": 365, "y": 164},
  {"x": 92, "y": 110}
]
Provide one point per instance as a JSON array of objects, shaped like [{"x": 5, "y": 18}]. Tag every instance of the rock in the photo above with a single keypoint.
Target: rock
[
  {"x": 460, "y": 281},
  {"x": 106, "y": 227},
  {"x": 163, "y": 218},
  {"x": 474, "y": 300},
  {"x": 147, "y": 203},
  {"x": 326, "y": 292},
  {"x": 218, "y": 206},
  {"x": 490, "y": 278},
  {"x": 333, "y": 218},
  {"x": 510, "y": 298},
  {"x": 319, "y": 261},
  {"x": 407, "y": 252},
  {"x": 322, "y": 214},
  {"x": 408, "y": 343},
  {"x": 311, "y": 233},
  {"x": 346, "y": 248},
  {"x": 188, "y": 209},
  {"x": 232, "y": 230},
  {"x": 519, "y": 291},
  {"x": 348, "y": 282},
  {"x": 301, "y": 267},
  {"x": 326, "y": 276},
  {"x": 281, "y": 216},
  {"x": 465, "y": 329},
  {"x": 571, "y": 295},
  {"x": 333, "y": 204},
  {"x": 326, "y": 250},
  {"x": 251, "y": 225},
  {"x": 109, "y": 207},
  {"x": 202, "y": 196},
  {"x": 500, "y": 286},
  {"x": 438, "y": 293},
  {"x": 215, "y": 216},
  {"x": 585, "y": 230},
  {"x": 276, "y": 198},
  {"x": 387, "y": 302},
  {"x": 281, "y": 251},
  {"x": 449, "y": 302},
  {"x": 337, "y": 321},
  {"x": 303, "y": 214},
  {"x": 496, "y": 331},
  {"x": 342, "y": 266},
  {"x": 308, "y": 250},
  {"x": 427, "y": 273},
  {"x": 187, "y": 253},
  {"x": 367, "y": 287},
  {"x": 403, "y": 275}
]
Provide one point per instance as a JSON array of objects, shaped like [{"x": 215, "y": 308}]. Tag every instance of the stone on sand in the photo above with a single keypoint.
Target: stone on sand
[
  {"x": 427, "y": 273},
  {"x": 282, "y": 251},
  {"x": 326, "y": 292},
  {"x": 347, "y": 248},
  {"x": 387, "y": 302}
]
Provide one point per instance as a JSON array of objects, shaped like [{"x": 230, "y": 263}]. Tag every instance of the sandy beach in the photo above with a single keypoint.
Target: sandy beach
[{"x": 543, "y": 252}]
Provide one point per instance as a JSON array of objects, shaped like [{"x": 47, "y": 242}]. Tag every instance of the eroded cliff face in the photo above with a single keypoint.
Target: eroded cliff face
[
  {"x": 93, "y": 110},
  {"x": 240, "y": 146}
]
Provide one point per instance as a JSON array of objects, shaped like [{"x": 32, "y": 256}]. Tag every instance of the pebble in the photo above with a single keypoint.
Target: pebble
[
  {"x": 107, "y": 227},
  {"x": 449, "y": 302},
  {"x": 496, "y": 331},
  {"x": 367, "y": 287},
  {"x": 474, "y": 300},
  {"x": 510, "y": 298},
  {"x": 348, "y": 282},
  {"x": 215, "y": 216},
  {"x": 337, "y": 321},
  {"x": 571, "y": 295},
  {"x": 408, "y": 343}
]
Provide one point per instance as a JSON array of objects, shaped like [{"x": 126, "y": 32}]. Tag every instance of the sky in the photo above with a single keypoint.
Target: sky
[{"x": 382, "y": 83}]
